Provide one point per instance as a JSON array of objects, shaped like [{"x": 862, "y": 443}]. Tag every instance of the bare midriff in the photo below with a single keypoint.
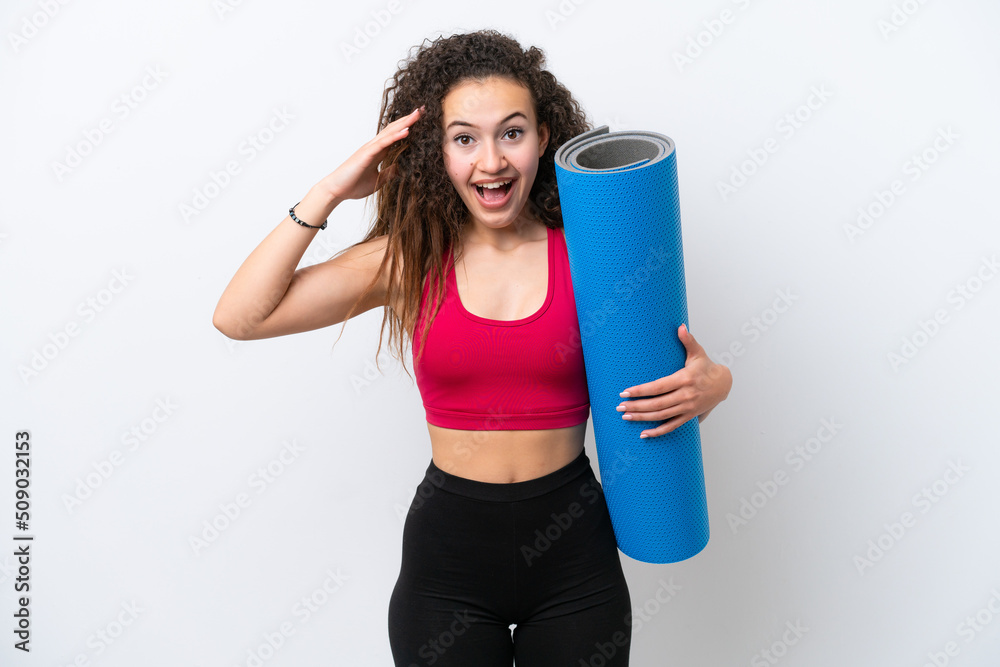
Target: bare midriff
[
  {"x": 507, "y": 456},
  {"x": 504, "y": 457}
]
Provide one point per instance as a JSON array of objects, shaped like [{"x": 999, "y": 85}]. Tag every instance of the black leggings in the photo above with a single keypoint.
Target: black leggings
[{"x": 479, "y": 557}]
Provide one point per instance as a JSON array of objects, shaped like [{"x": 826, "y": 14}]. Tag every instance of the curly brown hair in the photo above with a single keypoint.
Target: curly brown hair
[{"x": 419, "y": 210}]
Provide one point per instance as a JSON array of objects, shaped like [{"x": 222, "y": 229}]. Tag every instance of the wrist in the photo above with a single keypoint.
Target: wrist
[
  {"x": 326, "y": 195},
  {"x": 724, "y": 377}
]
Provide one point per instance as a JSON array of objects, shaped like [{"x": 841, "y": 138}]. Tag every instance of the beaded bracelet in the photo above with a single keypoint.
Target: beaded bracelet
[{"x": 291, "y": 212}]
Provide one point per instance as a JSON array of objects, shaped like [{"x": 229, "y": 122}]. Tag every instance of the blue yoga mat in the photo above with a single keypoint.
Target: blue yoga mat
[{"x": 621, "y": 213}]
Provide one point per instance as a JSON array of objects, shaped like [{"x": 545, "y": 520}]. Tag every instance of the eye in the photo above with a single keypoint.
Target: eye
[{"x": 460, "y": 137}]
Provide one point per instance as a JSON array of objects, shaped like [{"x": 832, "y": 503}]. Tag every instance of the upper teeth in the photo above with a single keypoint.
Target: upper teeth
[{"x": 495, "y": 184}]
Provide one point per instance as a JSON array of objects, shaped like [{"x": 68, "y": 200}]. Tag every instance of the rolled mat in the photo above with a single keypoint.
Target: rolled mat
[{"x": 621, "y": 213}]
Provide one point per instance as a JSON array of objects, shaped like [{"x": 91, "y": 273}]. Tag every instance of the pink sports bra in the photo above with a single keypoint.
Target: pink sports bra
[{"x": 483, "y": 374}]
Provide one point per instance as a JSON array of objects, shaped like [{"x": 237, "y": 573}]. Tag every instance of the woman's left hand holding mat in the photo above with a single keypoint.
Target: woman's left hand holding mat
[{"x": 692, "y": 391}]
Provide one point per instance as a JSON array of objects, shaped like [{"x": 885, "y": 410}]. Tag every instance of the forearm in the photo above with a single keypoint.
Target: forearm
[{"x": 262, "y": 280}]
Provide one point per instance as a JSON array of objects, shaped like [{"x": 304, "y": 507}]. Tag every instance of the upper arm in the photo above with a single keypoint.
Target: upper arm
[{"x": 322, "y": 294}]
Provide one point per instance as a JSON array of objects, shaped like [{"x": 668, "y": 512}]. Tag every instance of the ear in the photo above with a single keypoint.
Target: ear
[{"x": 543, "y": 137}]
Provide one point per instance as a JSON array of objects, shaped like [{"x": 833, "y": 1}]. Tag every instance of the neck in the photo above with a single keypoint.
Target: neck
[{"x": 504, "y": 238}]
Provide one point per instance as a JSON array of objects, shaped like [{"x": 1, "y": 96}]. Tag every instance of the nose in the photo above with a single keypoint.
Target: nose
[{"x": 491, "y": 158}]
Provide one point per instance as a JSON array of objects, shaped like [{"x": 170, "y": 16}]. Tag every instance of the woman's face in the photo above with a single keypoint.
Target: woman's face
[{"x": 491, "y": 135}]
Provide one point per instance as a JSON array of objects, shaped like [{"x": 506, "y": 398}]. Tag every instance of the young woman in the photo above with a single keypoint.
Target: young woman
[{"x": 509, "y": 526}]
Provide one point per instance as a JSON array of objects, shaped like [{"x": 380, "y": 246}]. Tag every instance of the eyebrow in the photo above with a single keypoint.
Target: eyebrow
[{"x": 462, "y": 122}]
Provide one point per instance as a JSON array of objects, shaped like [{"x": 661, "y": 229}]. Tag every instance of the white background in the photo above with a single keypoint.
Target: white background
[{"x": 338, "y": 506}]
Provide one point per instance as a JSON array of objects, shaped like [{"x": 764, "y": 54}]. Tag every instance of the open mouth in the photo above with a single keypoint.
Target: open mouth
[{"x": 495, "y": 196}]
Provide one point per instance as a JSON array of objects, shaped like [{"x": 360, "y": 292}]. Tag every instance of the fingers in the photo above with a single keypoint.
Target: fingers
[
  {"x": 378, "y": 147},
  {"x": 401, "y": 126},
  {"x": 393, "y": 132}
]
